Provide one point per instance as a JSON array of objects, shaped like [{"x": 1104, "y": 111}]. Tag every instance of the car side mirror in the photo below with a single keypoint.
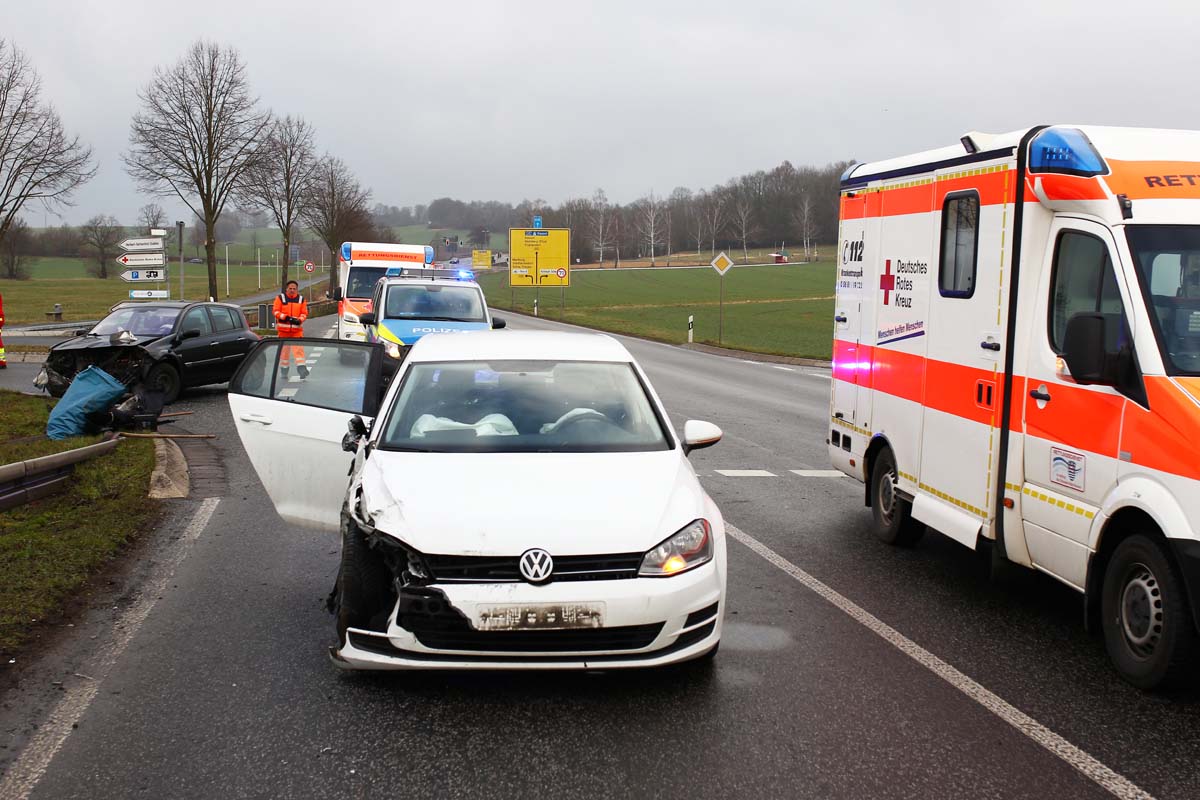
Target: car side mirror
[
  {"x": 337, "y": 293},
  {"x": 80, "y": 332},
  {"x": 498, "y": 323},
  {"x": 367, "y": 318},
  {"x": 356, "y": 429},
  {"x": 1084, "y": 349},
  {"x": 697, "y": 435},
  {"x": 190, "y": 333}
]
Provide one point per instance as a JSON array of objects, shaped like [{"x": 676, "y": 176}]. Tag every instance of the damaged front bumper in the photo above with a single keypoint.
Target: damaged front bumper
[{"x": 647, "y": 622}]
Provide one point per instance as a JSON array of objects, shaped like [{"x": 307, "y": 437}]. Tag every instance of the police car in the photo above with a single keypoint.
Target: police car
[{"x": 409, "y": 303}]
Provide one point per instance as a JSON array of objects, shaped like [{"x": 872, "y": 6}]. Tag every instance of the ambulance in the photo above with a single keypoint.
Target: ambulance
[
  {"x": 360, "y": 266},
  {"x": 1016, "y": 365}
]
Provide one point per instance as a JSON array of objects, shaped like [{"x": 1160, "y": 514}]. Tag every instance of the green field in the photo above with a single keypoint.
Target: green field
[
  {"x": 66, "y": 281},
  {"x": 269, "y": 242},
  {"x": 784, "y": 310}
]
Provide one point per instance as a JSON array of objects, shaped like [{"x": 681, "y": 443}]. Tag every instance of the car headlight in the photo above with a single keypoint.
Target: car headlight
[
  {"x": 392, "y": 349},
  {"x": 351, "y": 318},
  {"x": 690, "y": 547}
]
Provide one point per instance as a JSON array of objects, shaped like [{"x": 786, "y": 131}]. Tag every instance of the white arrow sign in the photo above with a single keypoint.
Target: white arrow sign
[
  {"x": 142, "y": 260},
  {"x": 142, "y": 245},
  {"x": 143, "y": 275},
  {"x": 148, "y": 294}
]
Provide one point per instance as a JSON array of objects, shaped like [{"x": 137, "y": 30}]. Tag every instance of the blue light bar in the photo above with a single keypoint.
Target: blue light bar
[
  {"x": 347, "y": 251},
  {"x": 429, "y": 254},
  {"x": 395, "y": 272},
  {"x": 466, "y": 275},
  {"x": 1067, "y": 151}
]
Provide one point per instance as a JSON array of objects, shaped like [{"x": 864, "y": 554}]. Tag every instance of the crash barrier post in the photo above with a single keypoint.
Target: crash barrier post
[{"x": 26, "y": 481}]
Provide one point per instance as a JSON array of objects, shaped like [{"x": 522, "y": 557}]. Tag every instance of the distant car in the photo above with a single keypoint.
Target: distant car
[
  {"x": 518, "y": 501},
  {"x": 454, "y": 260},
  {"x": 165, "y": 346},
  {"x": 195, "y": 261}
]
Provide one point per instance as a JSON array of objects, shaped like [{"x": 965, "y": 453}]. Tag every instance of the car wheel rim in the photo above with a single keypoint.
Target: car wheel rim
[
  {"x": 887, "y": 496},
  {"x": 1141, "y": 611}
]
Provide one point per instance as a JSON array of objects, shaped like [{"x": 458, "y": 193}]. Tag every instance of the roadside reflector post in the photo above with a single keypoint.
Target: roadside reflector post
[
  {"x": 691, "y": 325},
  {"x": 535, "y": 304}
]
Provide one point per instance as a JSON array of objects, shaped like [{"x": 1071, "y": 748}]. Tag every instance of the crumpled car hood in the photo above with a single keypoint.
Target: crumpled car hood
[
  {"x": 99, "y": 343},
  {"x": 506, "y": 503}
]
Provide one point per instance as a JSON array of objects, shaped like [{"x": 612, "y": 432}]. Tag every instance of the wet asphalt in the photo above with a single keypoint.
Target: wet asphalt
[{"x": 226, "y": 690}]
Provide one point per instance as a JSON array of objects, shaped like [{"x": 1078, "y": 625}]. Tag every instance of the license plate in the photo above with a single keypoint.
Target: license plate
[{"x": 540, "y": 617}]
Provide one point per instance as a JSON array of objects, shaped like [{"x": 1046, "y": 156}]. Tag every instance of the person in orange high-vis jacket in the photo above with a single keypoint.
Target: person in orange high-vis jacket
[
  {"x": 3, "y": 357},
  {"x": 290, "y": 313}
]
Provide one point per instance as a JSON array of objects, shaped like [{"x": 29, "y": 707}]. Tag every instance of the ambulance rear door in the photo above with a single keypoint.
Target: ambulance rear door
[{"x": 851, "y": 365}]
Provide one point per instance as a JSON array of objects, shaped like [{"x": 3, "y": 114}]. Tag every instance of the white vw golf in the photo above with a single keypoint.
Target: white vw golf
[{"x": 516, "y": 500}]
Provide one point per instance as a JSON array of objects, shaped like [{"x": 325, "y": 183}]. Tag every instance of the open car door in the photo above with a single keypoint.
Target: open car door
[{"x": 292, "y": 426}]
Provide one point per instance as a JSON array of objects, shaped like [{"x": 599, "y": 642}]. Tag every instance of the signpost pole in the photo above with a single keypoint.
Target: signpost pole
[
  {"x": 721, "y": 324},
  {"x": 258, "y": 261},
  {"x": 179, "y": 226},
  {"x": 563, "y": 312},
  {"x": 227, "y": 271}
]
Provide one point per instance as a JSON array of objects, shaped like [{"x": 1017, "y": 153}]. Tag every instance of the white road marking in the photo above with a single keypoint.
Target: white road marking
[
  {"x": 819, "y": 375},
  {"x": 31, "y": 765},
  {"x": 1106, "y": 777},
  {"x": 785, "y": 369},
  {"x": 289, "y": 392},
  {"x": 818, "y": 473},
  {"x": 748, "y": 361},
  {"x": 745, "y": 473}
]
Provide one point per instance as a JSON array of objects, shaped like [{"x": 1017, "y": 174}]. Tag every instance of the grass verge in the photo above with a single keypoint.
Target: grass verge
[
  {"x": 784, "y": 310},
  {"x": 50, "y": 548}
]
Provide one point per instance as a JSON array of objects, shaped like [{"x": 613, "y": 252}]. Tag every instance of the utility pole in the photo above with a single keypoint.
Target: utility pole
[
  {"x": 227, "y": 270},
  {"x": 258, "y": 261},
  {"x": 179, "y": 230}
]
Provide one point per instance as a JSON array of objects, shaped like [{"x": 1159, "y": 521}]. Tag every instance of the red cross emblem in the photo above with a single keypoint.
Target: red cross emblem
[{"x": 887, "y": 281}]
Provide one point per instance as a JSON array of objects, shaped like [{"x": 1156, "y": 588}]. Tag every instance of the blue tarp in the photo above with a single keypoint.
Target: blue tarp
[{"x": 91, "y": 390}]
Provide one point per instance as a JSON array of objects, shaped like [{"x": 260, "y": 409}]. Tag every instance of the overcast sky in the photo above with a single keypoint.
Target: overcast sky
[{"x": 512, "y": 100}]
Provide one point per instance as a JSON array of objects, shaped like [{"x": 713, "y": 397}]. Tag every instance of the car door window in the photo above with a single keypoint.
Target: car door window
[
  {"x": 1083, "y": 282},
  {"x": 197, "y": 319},
  {"x": 223, "y": 319},
  {"x": 342, "y": 376}
]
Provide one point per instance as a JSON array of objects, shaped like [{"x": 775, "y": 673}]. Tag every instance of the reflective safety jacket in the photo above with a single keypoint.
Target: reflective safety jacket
[{"x": 286, "y": 307}]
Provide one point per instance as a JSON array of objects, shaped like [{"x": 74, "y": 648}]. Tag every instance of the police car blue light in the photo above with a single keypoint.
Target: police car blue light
[{"x": 466, "y": 275}]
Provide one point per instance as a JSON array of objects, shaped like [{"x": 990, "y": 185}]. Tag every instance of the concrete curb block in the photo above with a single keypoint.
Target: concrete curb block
[
  {"x": 170, "y": 478},
  {"x": 27, "y": 358}
]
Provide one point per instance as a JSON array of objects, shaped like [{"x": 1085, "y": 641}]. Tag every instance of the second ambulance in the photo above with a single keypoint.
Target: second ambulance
[{"x": 1017, "y": 366}]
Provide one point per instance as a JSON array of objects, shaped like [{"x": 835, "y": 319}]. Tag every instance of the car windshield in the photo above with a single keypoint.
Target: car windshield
[
  {"x": 139, "y": 320},
  {"x": 523, "y": 407},
  {"x": 1168, "y": 266},
  {"x": 436, "y": 301},
  {"x": 360, "y": 283}
]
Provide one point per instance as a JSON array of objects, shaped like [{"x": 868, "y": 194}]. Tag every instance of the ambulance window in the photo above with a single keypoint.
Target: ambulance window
[
  {"x": 960, "y": 245},
  {"x": 1083, "y": 283}
]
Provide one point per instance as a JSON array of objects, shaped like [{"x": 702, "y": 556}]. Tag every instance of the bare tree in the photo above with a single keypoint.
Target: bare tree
[
  {"x": 337, "y": 209},
  {"x": 715, "y": 216},
  {"x": 152, "y": 216},
  {"x": 805, "y": 222},
  {"x": 278, "y": 184},
  {"x": 14, "y": 249},
  {"x": 743, "y": 220},
  {"x": 651, "y": 219},
  {"x": 601, "y": 224},
  {"x": 38, "y": 160},
  {"x": 198, "y": 132},
  {"x": 100, "y": 236},
  {"x": 698, "y": 220}
]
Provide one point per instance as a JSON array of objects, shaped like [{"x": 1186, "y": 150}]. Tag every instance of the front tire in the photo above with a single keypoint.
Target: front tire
[
  {"x": 165, "y": 378},
  {"x": 1148, "y": 628},
  {"x": 363, "y": 584},
  {"x": 893, "y": 514}
]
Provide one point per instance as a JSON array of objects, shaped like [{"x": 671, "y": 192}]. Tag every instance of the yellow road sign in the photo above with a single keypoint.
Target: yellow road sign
[
  {"x": 539, "y": 256},
  {"x": 721, "y": 263},
  {"x": 481, "y": 259}
]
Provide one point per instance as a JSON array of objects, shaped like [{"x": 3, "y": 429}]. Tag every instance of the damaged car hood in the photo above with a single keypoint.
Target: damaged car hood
[
  {"x": 100, "y": 343},
  {"x": 506, "y": 503}
]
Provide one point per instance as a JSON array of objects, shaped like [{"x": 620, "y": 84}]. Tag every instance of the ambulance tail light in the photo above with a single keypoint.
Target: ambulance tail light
[{"x": 1065, "y": 151}]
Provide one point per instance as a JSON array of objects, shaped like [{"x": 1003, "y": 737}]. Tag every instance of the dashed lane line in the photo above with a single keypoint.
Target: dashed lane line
[
  {"x": 745, "y": 473},
  {"x": 31, "y": 765},
  {"x": 818, "y": 473},
  {"x": 1106, "y": 777}
]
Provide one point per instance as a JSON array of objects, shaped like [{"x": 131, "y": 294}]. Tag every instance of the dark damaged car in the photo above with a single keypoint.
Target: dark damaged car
[{"x": 166, "y": 346}]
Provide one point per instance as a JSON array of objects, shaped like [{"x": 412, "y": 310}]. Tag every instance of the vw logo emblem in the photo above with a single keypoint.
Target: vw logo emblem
[{"x": 536, "y": 565}]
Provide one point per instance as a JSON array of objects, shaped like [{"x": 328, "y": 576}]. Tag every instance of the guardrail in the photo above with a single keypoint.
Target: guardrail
[
  {"x": 316, "y": 308},
  {"x": 26, "y": 481}
]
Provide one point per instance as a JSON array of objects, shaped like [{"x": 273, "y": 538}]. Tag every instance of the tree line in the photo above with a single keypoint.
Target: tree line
[{"x": 200, "y": 135}]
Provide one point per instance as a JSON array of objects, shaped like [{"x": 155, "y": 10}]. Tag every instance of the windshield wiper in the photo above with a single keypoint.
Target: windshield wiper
[{"x": 448, "y": 319}]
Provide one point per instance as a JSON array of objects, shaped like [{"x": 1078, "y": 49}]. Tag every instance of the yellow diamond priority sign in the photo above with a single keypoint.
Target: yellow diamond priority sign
[{"x": 721, "y": 263}]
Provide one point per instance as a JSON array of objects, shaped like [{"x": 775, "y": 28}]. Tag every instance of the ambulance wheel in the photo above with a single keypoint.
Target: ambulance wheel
[
  {"x": 165, "y": 378},
  {"x": 893, "y": 514},
  {"x": 1148, "y": 628},
  {"x": 363, "y": 584}
]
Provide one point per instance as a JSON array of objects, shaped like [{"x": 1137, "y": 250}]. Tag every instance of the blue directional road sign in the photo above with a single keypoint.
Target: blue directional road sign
[{"x": 537, "y": 222}]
